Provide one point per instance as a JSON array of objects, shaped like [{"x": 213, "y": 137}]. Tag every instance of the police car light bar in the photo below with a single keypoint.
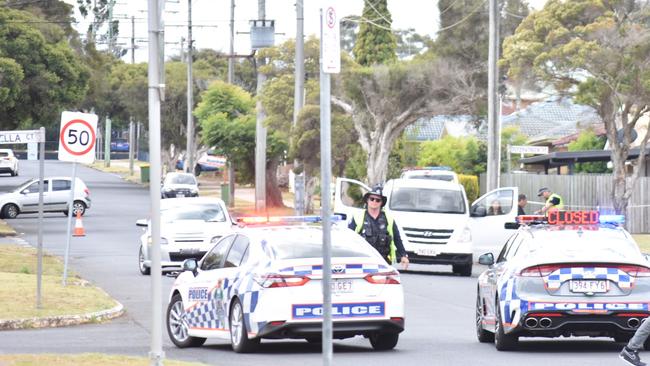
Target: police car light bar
[
  {"x": 531, "y": 219},
  {"x": 612, "y": 219},
  {"x": 284, "y": 219}
]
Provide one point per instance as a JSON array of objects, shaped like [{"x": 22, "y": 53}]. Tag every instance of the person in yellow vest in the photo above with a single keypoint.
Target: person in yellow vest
[
  {"x": 379, "y": 229},
  {"x": 553, "y": 201}
]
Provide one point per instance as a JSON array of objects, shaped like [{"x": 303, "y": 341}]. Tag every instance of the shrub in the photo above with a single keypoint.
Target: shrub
[{"x": 470, "y": 182}]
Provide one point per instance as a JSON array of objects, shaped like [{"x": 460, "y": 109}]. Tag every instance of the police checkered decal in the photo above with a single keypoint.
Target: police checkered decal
[
  {"x": 317, "y": 270},
  {"x": 509, "y": 301},
  {"x": 559, "y": 276},
  {"x": 210, "y": 314}
]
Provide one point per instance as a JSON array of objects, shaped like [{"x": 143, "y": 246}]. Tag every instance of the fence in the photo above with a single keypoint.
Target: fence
[{"x": 585, "y": 191}]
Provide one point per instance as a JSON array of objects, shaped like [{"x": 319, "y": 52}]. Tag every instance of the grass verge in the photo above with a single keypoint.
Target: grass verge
[
  {"x": 85, "y": 359},
  {"x": 5, "y": 229},
  {"x": 18, "y": 276},
  {"x": 644, "y": 242}
]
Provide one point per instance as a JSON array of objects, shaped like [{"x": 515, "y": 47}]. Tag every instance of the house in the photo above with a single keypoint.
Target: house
[{"x": 437, "y": 127}]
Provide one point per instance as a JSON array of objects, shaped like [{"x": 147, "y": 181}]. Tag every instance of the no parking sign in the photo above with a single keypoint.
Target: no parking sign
[{"x": 77, "y": 137}]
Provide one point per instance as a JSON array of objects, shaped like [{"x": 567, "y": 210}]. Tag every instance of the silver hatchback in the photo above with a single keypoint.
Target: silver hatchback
[{"x": 56, "y": 193}]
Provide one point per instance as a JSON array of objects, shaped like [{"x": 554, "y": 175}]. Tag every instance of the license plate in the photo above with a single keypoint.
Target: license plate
[
  {"x": 430, "y": 252},
  {"x": 340, "y": 286},
  {"x": 189, "y": 250},
  {"x": 586, "y": 286},
  {"x": 180, "y": 195}
]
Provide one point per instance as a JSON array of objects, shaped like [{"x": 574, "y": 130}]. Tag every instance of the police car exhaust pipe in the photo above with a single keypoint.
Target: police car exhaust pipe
[
  {"x": 531, "y": 323},
  {"x": 545, "y": 322},
  {"x": 633, "y": 322}
]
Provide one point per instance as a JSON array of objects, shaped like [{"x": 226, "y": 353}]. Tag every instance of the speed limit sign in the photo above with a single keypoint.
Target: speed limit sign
[{"x": 77, "y": 137}]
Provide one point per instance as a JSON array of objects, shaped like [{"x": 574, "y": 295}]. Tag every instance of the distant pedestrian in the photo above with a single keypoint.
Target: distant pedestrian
[
  {"x": 553, "y": 201},
  {"x": 521, "y": 203}
]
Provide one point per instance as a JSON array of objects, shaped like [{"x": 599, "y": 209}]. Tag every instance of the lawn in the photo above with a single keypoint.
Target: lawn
[{"x": 644, "y": 242}]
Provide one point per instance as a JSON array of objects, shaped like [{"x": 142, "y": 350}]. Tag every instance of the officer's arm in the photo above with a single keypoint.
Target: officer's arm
[
  {"x": 401, "y": 252},
  {"x": 352, "y": 225}
]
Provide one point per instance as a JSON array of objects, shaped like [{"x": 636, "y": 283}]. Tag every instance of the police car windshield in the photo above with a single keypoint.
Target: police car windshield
[
  {"x": 427, "y": 200},
  {"x": 308, "y": 245},
  {"x": 207, "y": 212}
]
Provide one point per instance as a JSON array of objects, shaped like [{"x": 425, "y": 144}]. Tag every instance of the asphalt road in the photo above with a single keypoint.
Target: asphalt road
[{"x": 439, "y": 306}]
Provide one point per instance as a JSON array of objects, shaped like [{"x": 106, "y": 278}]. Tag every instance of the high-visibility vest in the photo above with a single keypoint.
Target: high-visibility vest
[
  {"x": 559, "y": 206},
  {"x": 360, "y": 219}
]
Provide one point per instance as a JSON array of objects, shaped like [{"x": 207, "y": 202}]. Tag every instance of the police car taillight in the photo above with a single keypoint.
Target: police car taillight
[
  {"x": 280, "y": 280},
  {"x": 635, "y": 271},
  {"x": 383, "y": 278},
  {"x": 538, "y": 271}
]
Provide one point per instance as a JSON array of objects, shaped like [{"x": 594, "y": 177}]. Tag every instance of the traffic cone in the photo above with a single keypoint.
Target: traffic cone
[{"x": 78, "y": 226}]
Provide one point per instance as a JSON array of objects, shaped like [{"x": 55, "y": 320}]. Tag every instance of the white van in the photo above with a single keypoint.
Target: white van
[
  {"x": 439, "y": 173},
  {"x": 432, "y": 216}
]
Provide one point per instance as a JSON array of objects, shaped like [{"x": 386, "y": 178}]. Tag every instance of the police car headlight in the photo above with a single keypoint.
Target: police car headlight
[
  {"x": 464, "y": 236},
  {"x": 215, "y": 239},
  {"x": 163, "y": 241}
]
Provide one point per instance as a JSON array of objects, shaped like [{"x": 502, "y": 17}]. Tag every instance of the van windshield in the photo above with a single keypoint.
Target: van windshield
[{"x": 427, "y": 200}]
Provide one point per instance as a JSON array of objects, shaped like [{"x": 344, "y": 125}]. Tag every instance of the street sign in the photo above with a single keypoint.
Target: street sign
[
  {"x": 330, "y": 39},
  {"x": 77, "y": 137},
  {"x": 21, "y": 137},
  {"x": 529, "y": 149}
]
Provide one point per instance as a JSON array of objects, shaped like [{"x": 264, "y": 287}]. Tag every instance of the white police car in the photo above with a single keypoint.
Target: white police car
[
  {"x": 265, "y": 282},
  {"x": 571, "y": 274}
]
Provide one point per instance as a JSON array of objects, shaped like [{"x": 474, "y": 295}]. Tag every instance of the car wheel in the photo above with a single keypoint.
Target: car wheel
[
  {"x": 143, "y": 268},
  {"x": 238, "y": 332},
  {"x": 464, "y": 270},
  {"x": 197, "y": 170},
  {"x": 483, "y": 335},
  {"x": 10, "y": 211},
  {"x": 384, "y": 341},
  {"x": 503, "y": 341},
  {"x": 177, "y": 327},
  {"x": 77, "y": 206}
]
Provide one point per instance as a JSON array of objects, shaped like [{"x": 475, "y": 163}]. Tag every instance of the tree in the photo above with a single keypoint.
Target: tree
[
  {"x": 461, "y": 154},
  {"x": 598, "y": 51},
  {"x": 40, "y": 75},
  {"x": 375, "y": 42},
  {"x": 587, "y": 140},
  {"x": 384, "y": 100}
]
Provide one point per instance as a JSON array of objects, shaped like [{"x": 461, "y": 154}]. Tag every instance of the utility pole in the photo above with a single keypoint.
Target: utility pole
[
  {"x": 189, "y": 158},
  {"x": 494, "y": 133},
  {"x": 260, "y": 130},
  {"x": 298, "y": 103},
  {"x": 132, "y": 39},
  {"x": 231, "y": 79}
]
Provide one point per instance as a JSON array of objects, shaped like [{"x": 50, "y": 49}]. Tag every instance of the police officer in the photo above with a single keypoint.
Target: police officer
[
  {"x": 553, "y": 201},
  {"x": 379, "y": 229}
]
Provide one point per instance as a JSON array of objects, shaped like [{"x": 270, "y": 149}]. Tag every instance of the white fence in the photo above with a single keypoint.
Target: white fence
[{"x": 586, "y": 191}]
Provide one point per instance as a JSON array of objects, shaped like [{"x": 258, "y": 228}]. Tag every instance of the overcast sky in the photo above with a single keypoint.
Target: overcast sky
[{"x": 419, "y": 14}]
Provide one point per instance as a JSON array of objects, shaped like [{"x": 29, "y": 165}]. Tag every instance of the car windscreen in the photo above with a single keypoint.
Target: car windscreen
[
  {"x": 180, "y": 179},
  {"x": 446, "y": 178},
  {"x": 3, "y": 154},
  {"x": 24, "y": 184},
  {"x": 312, "y": 247},
  {"x": 207, "y": 212},
  {"x": 427, "y": 200}
]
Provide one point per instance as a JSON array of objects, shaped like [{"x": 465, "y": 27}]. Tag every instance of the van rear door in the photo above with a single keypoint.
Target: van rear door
[{"x": 348, "y": 197}]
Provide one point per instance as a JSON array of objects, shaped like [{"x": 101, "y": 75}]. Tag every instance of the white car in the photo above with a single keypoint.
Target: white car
[
  {"x": 189, "y": 228},
  {"x": 266, "y": 282},
  {"x": 56, "y": 194},
  {"x": 8, "y": 162},
  {"x": 179, "y": 185}
]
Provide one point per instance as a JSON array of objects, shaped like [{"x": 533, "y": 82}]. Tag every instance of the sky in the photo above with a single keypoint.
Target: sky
[{"x": 214, "y": 15}]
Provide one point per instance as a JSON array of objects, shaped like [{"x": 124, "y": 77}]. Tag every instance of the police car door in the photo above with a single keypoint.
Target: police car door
[
  {"x": 488, "y": 231},
  {"x": 205, "y": 296},
  {"x": 348, "y": 197}
]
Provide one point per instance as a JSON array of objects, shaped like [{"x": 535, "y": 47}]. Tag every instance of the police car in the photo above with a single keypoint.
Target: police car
[
  {"x": 265, "y": 281},
  {"x": 570, "y": 274}
]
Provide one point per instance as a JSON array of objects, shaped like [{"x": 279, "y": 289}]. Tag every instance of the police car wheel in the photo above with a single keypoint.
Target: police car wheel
[
  {"x": 143, "y": 268},
  {"x": 483, "y": 335},
  {"x": 384, "y": 341},
  {"x": 503, "y": 341},
  {"x": 177, "y": 327},
  {"x": 238, "y": 333}
]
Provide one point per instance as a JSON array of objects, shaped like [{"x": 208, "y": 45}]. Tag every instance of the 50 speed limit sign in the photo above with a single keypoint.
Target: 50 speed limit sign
[{"x": 77, "y": 137}]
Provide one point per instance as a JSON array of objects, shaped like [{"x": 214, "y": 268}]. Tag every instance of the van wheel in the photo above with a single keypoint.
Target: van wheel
[{"x": 10, "y": 211}]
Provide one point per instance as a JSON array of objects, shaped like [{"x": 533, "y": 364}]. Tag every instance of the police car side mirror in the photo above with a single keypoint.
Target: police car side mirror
[
  {"x": 511, "y": 225},
  {"x": 486, "y": 259},
  {"x": 478, "y": 211},
  {"x": 190, "y": 265}
]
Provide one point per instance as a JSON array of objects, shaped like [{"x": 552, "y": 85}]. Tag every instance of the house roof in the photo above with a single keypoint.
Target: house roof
[{"x": 427, "y": 129}]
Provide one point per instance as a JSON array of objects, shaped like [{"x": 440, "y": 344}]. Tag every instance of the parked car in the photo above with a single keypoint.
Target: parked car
[
  {"x": 56, "y": 193},
  {"x": 120, "y": 145},
  {"x": 179, "y": 185},
  {"x": 189, "y": 228},
  {"x": 209, "y": 161},
  {"x": 8, "y": 162}
]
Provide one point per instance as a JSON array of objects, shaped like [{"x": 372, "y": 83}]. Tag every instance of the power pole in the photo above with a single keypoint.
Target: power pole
[
  {"x": 260, "y": 131},
  {"x": 494, "y": 133},
  {"x": 299, "y": 92},
  {"x": 189, "y": 159},
  {"x": 132, "y": 39},
  {"x": 231, "y": 79}
]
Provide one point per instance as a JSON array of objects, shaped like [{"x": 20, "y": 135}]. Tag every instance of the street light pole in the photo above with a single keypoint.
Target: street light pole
[
  {"x": 299, "y": 90},
  {"x": 260, "y": 131},
  {"x": 494, "y": 133},
  {"x": 189, "y": 152}
]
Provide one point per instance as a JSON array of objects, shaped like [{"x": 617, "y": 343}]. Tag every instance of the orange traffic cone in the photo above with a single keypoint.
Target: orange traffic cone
[{"x": 78, "y": 226}]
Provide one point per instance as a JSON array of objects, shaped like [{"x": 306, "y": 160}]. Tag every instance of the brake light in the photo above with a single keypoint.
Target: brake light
[
  {"x": 87, "y": 191},
  {"x": 538, "y": 271},
  {"x": 635, "y": 271},
  {"x": 279, "y": 280},
  {"x": 383, "y": 278}
]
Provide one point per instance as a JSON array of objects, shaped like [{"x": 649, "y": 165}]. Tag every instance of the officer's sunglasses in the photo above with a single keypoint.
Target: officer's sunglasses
[{"x": 374, "y": 199}]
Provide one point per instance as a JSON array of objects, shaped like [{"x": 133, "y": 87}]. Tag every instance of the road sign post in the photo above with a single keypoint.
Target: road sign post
[{"x": 77, "y": 138}]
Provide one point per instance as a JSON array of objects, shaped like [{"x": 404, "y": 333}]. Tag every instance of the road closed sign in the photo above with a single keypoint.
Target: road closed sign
[{"x": 77, "y": 137}]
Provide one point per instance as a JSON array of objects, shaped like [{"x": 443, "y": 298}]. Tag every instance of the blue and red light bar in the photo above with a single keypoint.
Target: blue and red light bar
[
  {"x": 283, "y": 219},
  {"x": 556, "y": 217}
]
